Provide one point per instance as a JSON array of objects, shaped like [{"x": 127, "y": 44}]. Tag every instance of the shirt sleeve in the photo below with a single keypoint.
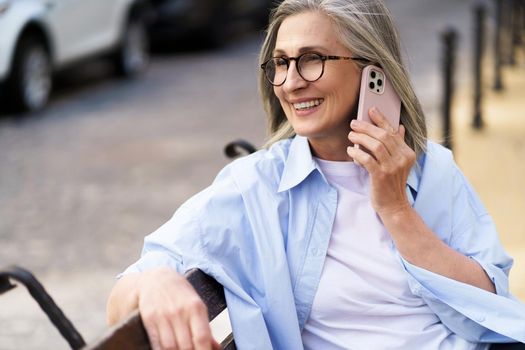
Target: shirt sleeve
[
  {"x": 474, "y": 234},
  {"x": 176, "y": 244},
  {"x": 470, "y": 312},
  {"x": 212, "y": 232},
  {"x": 474, "y": 314},
  {"x": 182, "y": 243}
]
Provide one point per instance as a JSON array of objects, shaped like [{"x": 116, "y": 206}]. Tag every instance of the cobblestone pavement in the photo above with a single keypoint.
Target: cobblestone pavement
[{"x": 109, "y": 161}]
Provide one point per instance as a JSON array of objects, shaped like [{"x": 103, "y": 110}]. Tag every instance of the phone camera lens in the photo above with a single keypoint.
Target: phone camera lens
[
  {"x": 372, "y": 85},
  {"x": 379, "y": 82},
  {"x": 373, "y": 74}
]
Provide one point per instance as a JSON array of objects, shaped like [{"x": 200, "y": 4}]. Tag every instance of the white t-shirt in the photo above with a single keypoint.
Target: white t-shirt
[{"x": 363, "y": 300}]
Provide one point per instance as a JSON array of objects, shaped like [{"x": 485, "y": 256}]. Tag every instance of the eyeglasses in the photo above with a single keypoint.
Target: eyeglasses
[{"x": 310, "y": 67}]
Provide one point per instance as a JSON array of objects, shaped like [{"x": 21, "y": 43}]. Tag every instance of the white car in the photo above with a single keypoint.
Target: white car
[{"x": 40, "y": 37}]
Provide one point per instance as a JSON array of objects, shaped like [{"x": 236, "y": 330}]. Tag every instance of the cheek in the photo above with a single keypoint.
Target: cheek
[
  {"x": 346, "y": 99},
  {"x": 352, "y": 90},
  {"x": 279, "y": 94}
]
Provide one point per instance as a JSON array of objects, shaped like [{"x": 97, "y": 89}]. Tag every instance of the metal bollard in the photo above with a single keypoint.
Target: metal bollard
[
  {"x": 517, "y": 23},
  {"x": 479, "y": 38},
  {"x": 449, "y": 39},
  {"x": 520, "y": 24},
  {"x": 498, "y": 83},
  {"x": 513, "y": 29}
]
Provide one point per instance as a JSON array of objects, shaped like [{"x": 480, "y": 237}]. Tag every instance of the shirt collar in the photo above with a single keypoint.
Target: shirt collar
[
  {"x": 413, "y": 177},
  {"x": 300, "y": 164}
]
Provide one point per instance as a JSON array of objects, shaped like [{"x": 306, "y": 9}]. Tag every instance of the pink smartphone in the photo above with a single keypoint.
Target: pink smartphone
[{"x": 377, "y": 91}]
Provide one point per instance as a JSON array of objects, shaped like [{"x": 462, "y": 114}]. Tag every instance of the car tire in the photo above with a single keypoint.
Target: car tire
[
  {"x": 30, "y": 81},
  {"x": 132, "y": 56}
]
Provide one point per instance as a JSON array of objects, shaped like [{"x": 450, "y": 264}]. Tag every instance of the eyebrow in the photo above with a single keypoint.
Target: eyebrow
[{"x": 301, "y": 50}]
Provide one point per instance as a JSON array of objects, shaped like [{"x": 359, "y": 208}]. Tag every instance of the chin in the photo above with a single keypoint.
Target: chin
[{"x": 303, "y": 130}]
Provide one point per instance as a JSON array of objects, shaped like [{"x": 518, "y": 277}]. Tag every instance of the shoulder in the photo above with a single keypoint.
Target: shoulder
[
  {"x": 439, "y": 162},
  {"x": 436, "y": 155},
  {"x": 443, "y": 181},
  {"x": 249, "y": 175},
  {"x": 264, "y": 167},
  {"x": 433, "y": 169}
]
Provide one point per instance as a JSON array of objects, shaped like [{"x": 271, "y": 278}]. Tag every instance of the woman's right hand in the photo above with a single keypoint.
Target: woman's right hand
[{"x": 172, "y": 312}]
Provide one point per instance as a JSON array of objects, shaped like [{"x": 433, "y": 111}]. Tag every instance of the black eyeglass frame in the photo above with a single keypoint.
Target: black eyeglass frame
[{"x": 296, "y": 59}]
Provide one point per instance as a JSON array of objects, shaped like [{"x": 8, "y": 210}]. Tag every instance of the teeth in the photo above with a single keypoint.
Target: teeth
[{"x": 307, "y": 104}]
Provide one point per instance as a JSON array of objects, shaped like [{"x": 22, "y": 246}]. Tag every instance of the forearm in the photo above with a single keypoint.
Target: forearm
[
  {"x": 123, "y": 298},
  {"x": 421, "y": 247}
]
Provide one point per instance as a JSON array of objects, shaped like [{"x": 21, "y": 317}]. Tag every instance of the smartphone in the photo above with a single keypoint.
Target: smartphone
[{"x": 377, "y": 91}]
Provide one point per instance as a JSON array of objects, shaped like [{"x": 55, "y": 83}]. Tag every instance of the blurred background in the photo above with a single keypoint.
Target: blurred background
[{"x": 115, "y": 112}]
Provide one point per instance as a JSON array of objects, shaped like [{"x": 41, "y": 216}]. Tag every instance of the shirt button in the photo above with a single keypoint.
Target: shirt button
[
  {"x": 316, "y": 252},
  {"x": 480, "y": 318}
]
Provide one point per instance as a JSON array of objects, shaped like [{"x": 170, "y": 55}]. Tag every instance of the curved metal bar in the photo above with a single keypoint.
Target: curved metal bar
[
  {"x": 233, "y": 148},
  {"x": 37, "y": 291},
  {"x": 5, "y": 284}
]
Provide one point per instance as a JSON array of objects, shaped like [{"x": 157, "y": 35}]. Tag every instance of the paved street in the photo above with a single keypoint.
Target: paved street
[{"x": 109, "y": 161}]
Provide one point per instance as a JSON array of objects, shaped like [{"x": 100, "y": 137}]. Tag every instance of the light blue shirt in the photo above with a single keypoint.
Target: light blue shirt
[{"x": 262, "y": 230}]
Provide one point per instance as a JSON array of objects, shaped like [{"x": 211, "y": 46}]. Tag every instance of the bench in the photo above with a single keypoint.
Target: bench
[{"x": 128, "y": 334}]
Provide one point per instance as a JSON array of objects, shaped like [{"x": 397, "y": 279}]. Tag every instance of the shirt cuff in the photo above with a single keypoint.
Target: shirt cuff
[
  {"x": 497, "y": 313},
  {"x": 497, "y": 276},
  {"x": 153, "y": 259}
]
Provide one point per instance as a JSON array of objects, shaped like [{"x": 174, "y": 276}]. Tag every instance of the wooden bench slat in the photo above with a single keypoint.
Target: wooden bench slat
[{"x": 131, "y": 335}]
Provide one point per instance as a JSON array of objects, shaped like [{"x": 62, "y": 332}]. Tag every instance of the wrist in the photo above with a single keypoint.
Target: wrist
[{"x": 396, "y": 213}]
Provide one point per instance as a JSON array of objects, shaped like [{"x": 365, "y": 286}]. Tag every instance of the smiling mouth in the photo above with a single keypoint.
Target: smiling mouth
[{"x": 302, "y": 106}]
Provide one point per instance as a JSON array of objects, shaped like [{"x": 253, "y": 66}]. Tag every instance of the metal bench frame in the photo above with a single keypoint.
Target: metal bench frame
[{"x": 128, "y": 334}]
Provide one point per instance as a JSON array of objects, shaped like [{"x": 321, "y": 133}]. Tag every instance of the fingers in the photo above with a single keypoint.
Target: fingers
[
  {"x": 380, "y": 145},
  {"x": 379, "y": 119},
  {"x": 215, "y": 345},
  {"x": 402, "y": 131},
  {"x": 373, "y": 146},
  {"x": 381, "y": 131},
  {"x": 201, "y": 332},
  {"x": 159, "y": 332},
  {"x": 167, "y": 335},
  {"x": 183, "y": 330},
  {"x": 173, "y": 314},
  {"x": 363, "y": 158}
]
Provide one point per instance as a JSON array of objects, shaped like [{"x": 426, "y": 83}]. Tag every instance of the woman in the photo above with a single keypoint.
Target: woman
[{"x": 320, "y": 244}]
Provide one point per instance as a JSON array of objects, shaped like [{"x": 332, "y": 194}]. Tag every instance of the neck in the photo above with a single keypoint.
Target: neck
[{"x": 334, "y": 150}]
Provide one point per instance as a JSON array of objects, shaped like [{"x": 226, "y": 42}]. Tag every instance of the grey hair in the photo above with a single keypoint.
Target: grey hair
[{"x": 367, "y": 29}]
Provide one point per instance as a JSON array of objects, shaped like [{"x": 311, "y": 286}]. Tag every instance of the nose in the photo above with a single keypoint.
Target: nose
[{"x": 294, "y": 81}]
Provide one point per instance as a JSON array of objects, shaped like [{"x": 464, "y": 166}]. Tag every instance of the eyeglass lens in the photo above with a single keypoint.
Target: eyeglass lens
[{"x": 309, "y": 66}]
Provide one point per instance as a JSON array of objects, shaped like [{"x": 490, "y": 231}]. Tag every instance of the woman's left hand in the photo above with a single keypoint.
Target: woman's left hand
[{"x": 388, "y": 161}]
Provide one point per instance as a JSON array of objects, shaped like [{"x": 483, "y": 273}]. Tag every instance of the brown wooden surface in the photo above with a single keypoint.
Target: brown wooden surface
[
  {"x": 131, "y": 335},
  {"x": 128, "y": 335},
  {"x": 210, "y": 291}
]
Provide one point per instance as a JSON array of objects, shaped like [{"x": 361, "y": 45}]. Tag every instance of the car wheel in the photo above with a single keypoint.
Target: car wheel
[
  {"x": 132, "y": 56},
  {"x": 30, "y": 82}
]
